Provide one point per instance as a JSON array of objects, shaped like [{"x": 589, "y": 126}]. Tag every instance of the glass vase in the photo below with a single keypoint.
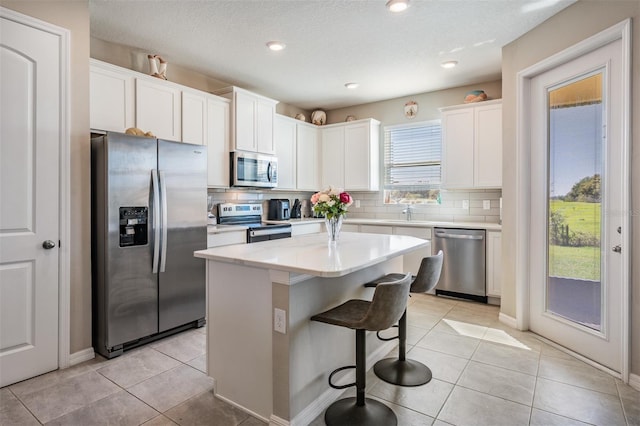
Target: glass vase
[{"x": 333, "y": 226}]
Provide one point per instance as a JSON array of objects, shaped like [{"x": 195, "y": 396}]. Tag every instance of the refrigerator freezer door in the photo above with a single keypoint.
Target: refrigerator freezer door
[
  {"x": 125, "y": 286},
  {"x": 181, "y": 288}
]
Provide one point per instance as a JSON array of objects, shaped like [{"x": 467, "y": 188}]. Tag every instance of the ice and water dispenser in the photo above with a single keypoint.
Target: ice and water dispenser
[{"x": 133, "y": 226}]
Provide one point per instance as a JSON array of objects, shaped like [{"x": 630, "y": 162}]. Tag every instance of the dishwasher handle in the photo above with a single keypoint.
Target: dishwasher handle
[{"x": 443, "y": 234}]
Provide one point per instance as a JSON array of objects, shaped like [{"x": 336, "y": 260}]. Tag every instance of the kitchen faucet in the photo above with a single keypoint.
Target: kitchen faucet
[{"x": 408, "y": 211}]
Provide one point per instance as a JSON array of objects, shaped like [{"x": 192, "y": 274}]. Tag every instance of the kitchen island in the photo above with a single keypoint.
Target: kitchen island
[{"x": 265, "y": 355}]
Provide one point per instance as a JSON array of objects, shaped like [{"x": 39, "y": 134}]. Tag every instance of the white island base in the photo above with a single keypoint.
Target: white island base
[{"x": 282, "y": 377}]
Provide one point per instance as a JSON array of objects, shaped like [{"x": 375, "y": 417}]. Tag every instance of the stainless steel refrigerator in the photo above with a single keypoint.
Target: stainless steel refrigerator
[{"x": 149, "y": 202}]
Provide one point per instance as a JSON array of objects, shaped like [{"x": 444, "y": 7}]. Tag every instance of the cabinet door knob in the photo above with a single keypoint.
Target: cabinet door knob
[{"x": 48, "y": 244}]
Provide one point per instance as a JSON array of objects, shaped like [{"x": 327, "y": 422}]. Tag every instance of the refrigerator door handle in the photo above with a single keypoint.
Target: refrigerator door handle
[
  {"x": 163, "y": 200},
  {"x": 156, "y": 219}
]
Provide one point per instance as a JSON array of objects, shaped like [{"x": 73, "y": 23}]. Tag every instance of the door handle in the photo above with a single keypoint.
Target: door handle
[
  {"x": 617, "y": 249},
  {"x": 48, "y": 244},
  {"x": 156, "y": 220},
  {"x": 163, "y": 202}
]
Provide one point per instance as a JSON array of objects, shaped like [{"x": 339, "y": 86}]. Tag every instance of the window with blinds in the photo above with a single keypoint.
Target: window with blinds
[{"x": 412, "y": 162}]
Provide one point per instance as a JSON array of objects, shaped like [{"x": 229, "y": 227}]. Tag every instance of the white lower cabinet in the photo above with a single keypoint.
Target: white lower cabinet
[
  {"x": 376, "y": 229},
  {"x": 350, "y": 227},
  {"x": 411, "y": 261},
  {"x": 226, "y": 238},
  {"x": 494, "y": 263},
  {"x": 306, "y": 228}
]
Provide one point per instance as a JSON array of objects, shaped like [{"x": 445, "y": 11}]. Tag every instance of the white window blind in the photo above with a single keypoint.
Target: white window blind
[{"x": 412, "y": 156}]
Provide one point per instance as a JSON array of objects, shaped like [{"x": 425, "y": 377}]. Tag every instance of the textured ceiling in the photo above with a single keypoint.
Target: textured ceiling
[{"x": 329, "y": 43}]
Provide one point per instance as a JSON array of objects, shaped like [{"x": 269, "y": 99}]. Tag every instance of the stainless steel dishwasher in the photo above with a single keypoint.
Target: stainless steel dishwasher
[{"x": 463, "y": 269}]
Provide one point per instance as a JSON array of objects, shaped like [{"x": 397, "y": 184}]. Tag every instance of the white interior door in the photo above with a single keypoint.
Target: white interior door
[
  {"x": 576, "y": 205},
  {"x": 29, "y": 210}
]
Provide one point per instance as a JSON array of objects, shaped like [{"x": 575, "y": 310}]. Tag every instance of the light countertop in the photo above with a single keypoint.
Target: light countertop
[{"x": 311, "y": 254}]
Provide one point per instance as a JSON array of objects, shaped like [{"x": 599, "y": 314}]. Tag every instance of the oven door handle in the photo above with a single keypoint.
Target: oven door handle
[{"x": 267, "y": 231}]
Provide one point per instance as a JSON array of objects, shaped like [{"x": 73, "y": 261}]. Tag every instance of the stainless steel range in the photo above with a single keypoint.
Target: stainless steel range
[{"x": 250, "y": 215}]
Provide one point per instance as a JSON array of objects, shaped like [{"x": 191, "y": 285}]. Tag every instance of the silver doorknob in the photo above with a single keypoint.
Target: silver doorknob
[
  {"x": 48, "y": 244},
  {"x": 617, "y": 249}
]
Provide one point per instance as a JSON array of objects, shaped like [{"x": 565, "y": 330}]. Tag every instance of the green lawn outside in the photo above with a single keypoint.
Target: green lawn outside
[
  {"x": 581, "y": 217},
  {"x": 575, "y": 262}
]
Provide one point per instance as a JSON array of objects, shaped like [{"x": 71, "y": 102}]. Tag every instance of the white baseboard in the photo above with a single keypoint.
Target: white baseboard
[
  {"x": 317, "y": 407},
  {"x": 81, "y": 356},
  {"x": 634, "y": 381},
  {"x": 277, "y": 421},
  {"x": 240, "y": 407},
  {"x": 506, "y": 319}
]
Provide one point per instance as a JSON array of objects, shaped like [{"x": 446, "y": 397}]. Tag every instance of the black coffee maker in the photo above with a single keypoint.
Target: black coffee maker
[
  {"x": 296, "y": 210},
  {"x": 278, "y": 209}
]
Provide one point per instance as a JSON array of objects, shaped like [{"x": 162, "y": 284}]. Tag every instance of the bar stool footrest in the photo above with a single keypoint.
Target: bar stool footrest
[
  {"x": 337, "y": 370},
  {"x": 402, "y": 373},
  {"x": 347, "y": 412}
]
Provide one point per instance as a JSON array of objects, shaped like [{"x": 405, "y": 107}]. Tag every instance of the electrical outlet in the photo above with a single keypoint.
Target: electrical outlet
[
  {"x": 486, "y": 204},
  {"x": 280, "y": 320},
  {"x": 465, "y": 204},
  {"x": 357, "y": 204}
]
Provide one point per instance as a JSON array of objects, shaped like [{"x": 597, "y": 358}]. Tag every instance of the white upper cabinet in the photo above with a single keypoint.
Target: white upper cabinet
[
  {"x": 350, "y": 155},
  {"x": 284, "y": 133},
  {"x": 333, "y": 157},
  {"x": 307, "y": 157},
  {"x": 472, "y": 145},
  {"x": 158, "y": 109},
  {"x": 194, "y": 118},
  {"x": 488, "y": 147},
  {"x": 297, "y": 152},
  {"x": 112, "y": 100},
  {"x": 252, "y": 118},
  {"x": 218, "y": 141},
  {"x": 122, "y": 98}
]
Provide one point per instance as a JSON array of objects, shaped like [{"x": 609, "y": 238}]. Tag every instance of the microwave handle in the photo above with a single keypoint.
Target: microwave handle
[{"x": 269, "y": 171}]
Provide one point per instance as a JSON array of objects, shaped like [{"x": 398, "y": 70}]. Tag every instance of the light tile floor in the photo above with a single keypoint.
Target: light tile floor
[{"x": 484, "y": 374}]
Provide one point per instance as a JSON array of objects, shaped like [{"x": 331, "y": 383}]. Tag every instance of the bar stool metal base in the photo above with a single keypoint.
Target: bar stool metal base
[
  {"x": 402, "y": 373},
  {"x": 347, "y": 412}
]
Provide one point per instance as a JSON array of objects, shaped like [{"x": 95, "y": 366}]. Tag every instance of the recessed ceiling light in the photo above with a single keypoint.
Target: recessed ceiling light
[
  {"x": 449, "y": 64},
  {"x": 397, "y": 5},
  {"x": 351, "y": 85},
  {"x": 276, "y": 45}
]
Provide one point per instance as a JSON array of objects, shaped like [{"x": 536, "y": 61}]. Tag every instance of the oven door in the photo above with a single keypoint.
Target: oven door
[
  {"x": 253, "y": 170},
  {"x": 267, "y": 233}
]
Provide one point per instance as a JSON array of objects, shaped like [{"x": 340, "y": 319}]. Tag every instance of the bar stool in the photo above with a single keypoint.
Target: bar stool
[
  {"x": 402, "y": 371},
  {"x": 388, "y": 303}
]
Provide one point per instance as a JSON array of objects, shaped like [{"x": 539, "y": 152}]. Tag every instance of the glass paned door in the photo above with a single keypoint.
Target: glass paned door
[
  {"x": 575, "y": 139},
  {"x": 576, "y": 205}
]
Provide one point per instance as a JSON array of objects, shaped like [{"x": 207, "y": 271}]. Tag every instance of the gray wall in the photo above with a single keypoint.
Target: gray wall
[{"x": 575, "y": 23}]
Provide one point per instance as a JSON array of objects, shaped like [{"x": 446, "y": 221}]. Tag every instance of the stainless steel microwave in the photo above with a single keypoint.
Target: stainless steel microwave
[{"x": 253, "y": 170}]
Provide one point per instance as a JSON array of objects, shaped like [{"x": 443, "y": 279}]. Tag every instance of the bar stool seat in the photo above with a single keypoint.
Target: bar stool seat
[
  {"x": 402, "y": 371},
  {"x": 385, "y": 309}
]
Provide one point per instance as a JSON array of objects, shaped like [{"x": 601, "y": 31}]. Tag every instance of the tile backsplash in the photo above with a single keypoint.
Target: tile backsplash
[{"x": 371, "y": 205}]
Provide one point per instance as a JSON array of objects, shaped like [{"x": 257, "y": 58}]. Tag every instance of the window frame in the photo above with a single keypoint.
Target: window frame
[{"x": 386, "y": 187}]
